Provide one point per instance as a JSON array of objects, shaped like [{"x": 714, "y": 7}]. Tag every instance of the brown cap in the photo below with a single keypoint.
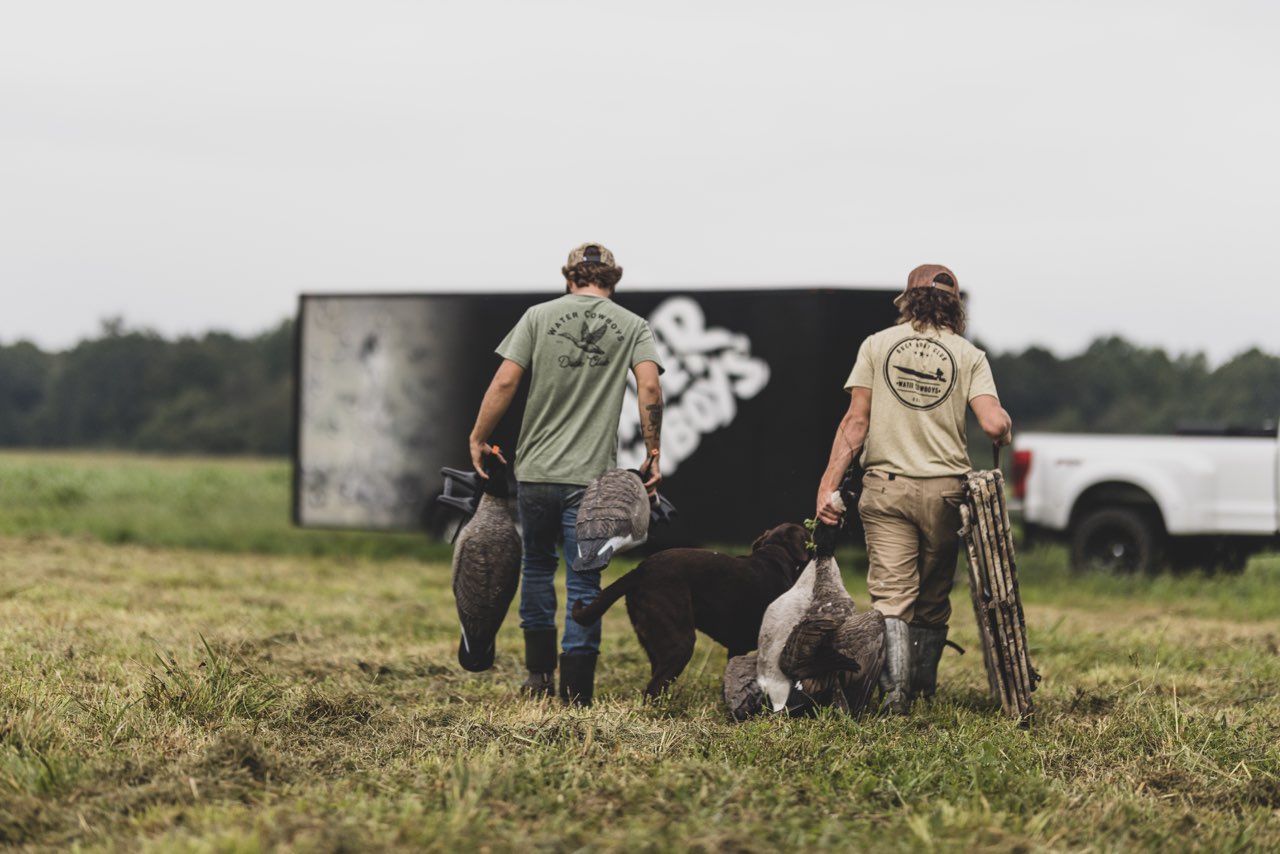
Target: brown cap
[
  {"x": 927, "y": 276},
  {"x": 592, "y": 253}
]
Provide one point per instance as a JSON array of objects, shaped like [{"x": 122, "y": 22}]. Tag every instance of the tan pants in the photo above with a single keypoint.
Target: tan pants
[{"x": 912, "y": 526}]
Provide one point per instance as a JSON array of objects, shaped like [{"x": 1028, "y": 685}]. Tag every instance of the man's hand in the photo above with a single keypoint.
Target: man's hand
[
  {"x": 651, "y": 470},
  {"x": 480, "y": 450},
  {"x": 827, "y": 513}
]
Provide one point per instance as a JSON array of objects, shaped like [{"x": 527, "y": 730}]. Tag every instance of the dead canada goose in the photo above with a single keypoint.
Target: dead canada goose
[
  {"x": 795, "y": 634},
  {"x": 615, "y": 515},
  {"x": 834, "y": 654},
  {"x": 857, "y": 651},
  {"x": 797, "y": 628},
  {"x": 486, "y": 563},
  {"x": 808, "y": 657},
  {"x": 812, "y": 639}
]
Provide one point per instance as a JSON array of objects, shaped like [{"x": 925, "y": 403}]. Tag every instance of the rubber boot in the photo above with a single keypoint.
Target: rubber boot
[
  {"x": 926, "y": 651},
  {"x": 540, "y": 660},
  {"x": 894, "y": 679},
  {"x": 578, "y": 678}
]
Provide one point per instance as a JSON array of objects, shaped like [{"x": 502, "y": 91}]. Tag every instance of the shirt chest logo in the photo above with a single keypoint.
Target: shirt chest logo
[{"x": 920, "y": 372}]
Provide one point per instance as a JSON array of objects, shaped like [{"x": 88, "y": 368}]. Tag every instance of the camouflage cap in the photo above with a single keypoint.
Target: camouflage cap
[
  {"x": 930, "y": 276},
  {"x": 591, "y": 253}
]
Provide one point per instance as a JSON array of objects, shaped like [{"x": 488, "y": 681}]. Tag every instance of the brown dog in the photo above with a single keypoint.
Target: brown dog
[{"x": 677, "y": 591}]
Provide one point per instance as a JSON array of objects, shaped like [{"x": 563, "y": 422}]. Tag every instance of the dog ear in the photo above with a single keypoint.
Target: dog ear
[
  {"x": 796, "y": 539},
  {"x": 761, "y": 541}
]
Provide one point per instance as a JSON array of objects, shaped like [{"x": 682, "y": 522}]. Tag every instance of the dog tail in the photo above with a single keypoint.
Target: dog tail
[{"x": 586, "y": 613}]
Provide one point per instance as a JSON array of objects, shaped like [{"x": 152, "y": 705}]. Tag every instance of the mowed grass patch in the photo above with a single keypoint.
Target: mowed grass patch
[{"x": 169, "y": 699}]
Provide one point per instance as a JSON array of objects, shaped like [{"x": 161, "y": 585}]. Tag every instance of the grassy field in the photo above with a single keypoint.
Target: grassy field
[
  {"x": 225, "y": 505},
  {"x": 179, "y": 670}
]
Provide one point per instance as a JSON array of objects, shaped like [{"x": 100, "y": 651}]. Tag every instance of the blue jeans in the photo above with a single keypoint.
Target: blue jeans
[{"x": 549, "y": 512}]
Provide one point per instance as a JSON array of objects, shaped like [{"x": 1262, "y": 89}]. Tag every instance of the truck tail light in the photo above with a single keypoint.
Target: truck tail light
[{"x": 1021, "y": 468}]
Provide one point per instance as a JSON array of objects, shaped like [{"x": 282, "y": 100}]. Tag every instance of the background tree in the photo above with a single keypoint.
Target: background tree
[{"x": 220, "y": 394}]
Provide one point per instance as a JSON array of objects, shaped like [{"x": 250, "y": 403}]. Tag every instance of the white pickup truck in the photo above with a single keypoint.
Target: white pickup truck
[{"x": 1205, "y": 497}]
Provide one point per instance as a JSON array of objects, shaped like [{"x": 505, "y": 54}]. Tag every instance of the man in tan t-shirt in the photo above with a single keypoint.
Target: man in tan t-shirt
[{"x": 921, "y": 374}]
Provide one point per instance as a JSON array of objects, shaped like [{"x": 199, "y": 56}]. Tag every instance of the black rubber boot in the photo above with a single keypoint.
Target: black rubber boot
[
  {"x": 926, "y": 651},
  {"x": 578, "y": 678},
  {"x": 540, "y": 660},
  {"x": 894, "y": 679}
]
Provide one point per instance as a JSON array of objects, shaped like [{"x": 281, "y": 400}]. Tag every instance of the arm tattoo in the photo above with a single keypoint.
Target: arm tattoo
[{"x": 653, "y": 430}]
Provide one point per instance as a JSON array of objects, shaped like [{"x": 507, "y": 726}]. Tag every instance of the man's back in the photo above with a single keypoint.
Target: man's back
[
  {"x": 921, "y": 382},
  {"x": 578, "y": 349}
]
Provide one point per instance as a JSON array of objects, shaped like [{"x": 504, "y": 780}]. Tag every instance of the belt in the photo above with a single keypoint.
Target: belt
[{"x": 893, "y": 475}]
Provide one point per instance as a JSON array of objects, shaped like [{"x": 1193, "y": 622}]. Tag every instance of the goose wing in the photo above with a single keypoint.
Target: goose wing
[
  {"x": 612, "y": 518},
  {"x": 861, "y": 640}
]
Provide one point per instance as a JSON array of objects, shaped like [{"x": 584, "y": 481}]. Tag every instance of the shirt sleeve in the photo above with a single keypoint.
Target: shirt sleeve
[
  {"x": 980, "y": 380},
  {"x": 863, "y": 371},
  {"x": 645, "y": 349},
  {"x": 518, "y": 345}
]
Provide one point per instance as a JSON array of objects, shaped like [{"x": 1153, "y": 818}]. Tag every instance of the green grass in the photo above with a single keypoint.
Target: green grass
[
  {"x": 228, "y": 505},
  {"x": 159, "y": 697}
]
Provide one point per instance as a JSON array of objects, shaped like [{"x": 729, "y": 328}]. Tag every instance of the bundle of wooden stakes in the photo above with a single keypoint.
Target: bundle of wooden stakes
[{"x": 993, "y": 582}]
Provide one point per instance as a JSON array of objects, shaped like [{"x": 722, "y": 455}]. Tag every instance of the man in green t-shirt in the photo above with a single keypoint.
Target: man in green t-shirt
[
  {"x": 578, "y": 350},
  {"x": 910, "y": 387}
]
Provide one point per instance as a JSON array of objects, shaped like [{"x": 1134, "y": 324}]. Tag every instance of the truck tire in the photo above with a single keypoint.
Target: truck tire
[{"x": 1119, "y": 540}]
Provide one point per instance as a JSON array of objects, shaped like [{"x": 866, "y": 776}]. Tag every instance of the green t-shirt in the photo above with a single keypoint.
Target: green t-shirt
[
  {"x": 578, "y": 350},
  {"x": 921, "y": 382}
]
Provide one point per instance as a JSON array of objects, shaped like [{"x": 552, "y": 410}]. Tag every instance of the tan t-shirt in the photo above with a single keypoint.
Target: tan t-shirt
[{"x": 921, "y": 383}]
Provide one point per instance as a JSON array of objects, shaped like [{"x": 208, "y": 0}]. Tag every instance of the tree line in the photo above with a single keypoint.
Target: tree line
[
  {"x": 218, "y": 393},
  {"x": 135, "y": 390},
  {"x": 1117, "y": 387}
]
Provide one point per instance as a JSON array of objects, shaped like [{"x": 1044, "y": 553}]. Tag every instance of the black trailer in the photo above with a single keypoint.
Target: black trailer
[{"x": 388, "y": 388}]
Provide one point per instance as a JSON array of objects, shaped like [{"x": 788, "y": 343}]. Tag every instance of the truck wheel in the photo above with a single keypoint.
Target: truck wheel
[{"x": 1118, "y": 540}]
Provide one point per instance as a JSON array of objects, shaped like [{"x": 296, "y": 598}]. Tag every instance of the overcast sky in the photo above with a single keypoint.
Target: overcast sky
[{"x": 1085, "y": 168}]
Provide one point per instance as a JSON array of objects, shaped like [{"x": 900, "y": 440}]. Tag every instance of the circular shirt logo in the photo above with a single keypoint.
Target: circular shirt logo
[{"x": 920, "y": 372}]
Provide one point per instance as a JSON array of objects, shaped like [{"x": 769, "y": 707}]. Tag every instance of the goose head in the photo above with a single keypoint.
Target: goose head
[{"x": 497, "y": 484}]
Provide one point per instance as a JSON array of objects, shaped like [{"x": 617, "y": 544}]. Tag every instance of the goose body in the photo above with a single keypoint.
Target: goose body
[
  {"x": 796, "y": 634},
  {"x": 819, "y": 645},
  {"x": 780, "y": 619},
  {"x": 612, "y": 518},
  {"x": 486, "y": 572},
  {"x": 807, "y": 651}
]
